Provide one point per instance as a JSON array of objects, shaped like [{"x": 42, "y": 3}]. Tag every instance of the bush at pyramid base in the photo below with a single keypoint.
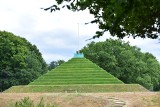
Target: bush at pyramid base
[{"x": 77, "y": 75}]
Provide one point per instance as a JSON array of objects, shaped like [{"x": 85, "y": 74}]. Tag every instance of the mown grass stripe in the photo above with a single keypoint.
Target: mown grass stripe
[
  {"x": 75, "y": 82},
  {"x": 79, "y": 79}
]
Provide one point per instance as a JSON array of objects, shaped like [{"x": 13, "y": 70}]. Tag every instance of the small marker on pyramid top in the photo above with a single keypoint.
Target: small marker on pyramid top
[{"x": 78, "y": 55}]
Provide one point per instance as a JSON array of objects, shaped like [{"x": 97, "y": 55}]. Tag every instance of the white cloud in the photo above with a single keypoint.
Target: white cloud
[{"x": 55, "y": 57}]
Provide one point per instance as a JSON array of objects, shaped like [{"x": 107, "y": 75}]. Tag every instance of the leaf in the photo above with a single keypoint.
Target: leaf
[
  {"x": 95, "y": 21},
  {"x": 63, "y": 6},
  {"x": 47, "y": 8},
  {"x": 68, "y": 7},
  {"x": 52, "y": 10}
]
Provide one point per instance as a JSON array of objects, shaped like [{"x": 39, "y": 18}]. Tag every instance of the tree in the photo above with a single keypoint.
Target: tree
[
  {"x": 125, "y": 62},
  {"x": 54, "y": 64},
  {"x": 20, "y": 61},
  {"x": 60, "y": 62},
  {"x": 137, "y": 18}
]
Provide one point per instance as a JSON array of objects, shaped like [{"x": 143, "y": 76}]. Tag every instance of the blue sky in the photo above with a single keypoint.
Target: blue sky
[{"x": 56, "y": 34}]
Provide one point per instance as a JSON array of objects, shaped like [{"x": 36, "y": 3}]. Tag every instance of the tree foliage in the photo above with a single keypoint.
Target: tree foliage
[
  {"x": 54, "y": 64},
  {"x": 120, "y": 17},
  {"x": 20, "y": 61},
  {"x": 125, "y": 62}
]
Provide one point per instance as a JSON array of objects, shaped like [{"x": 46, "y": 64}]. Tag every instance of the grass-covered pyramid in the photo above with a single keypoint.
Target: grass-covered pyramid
[
  {"x": 77, "y": 75},
  {"x": 76, "y": 71}
]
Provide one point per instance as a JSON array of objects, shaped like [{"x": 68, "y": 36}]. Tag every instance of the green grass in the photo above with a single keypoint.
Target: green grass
[
  {"x": 83, "y": 88},
  {"x": 73, "y": 76},
  {"x": 72, "y": 83},
  {"x": 76, "y": 71}
]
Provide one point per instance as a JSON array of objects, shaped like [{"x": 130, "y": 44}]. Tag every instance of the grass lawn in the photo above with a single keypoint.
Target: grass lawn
[{"x": 82, "y": 88}]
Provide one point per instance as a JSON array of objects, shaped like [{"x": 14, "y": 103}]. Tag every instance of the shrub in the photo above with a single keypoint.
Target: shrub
[{"x": 27, "y": 102}]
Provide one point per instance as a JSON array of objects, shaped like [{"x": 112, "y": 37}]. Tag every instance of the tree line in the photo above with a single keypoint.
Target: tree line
[
  {"x": 125, "y": 62},
  {"x": 21, "y": 62}
]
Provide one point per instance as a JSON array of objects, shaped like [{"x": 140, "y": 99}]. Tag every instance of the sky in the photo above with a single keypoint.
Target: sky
[{"x": 57, "y": 35}]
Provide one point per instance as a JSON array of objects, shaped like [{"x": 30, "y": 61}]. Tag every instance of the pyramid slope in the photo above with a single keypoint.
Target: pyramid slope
[{"x": 76, "y": 71}]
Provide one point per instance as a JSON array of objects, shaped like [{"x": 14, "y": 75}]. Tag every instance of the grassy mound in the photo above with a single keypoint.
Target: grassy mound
[
  {"x": 76, "y": 71},
  {"x": 77, "y": 75},
  {"x": 77, "y": 88}
]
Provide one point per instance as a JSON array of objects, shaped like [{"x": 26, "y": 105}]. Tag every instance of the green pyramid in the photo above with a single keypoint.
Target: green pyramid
[
  {"x": 76, "y": 71},
  {"x": 77, "y": 75}
]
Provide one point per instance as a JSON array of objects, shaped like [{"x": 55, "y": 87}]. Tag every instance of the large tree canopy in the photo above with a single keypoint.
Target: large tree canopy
[
  {"x": 20, "y": 61},
  {"x": 137, "y": 18},
  {"x": 125, "y": 62}
]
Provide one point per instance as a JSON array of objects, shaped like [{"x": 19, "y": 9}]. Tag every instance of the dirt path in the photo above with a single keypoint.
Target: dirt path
[{"x": 128, "y": 99}]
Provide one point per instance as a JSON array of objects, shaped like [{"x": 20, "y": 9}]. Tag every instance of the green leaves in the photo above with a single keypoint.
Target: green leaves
[
  {"x": 51, "y": 8},
  {"x": 125, "y": 62},
  {"x": 54, "y": 64},
  {"x": 121, "y": 17},
  {"x": 20, "y": 61}
]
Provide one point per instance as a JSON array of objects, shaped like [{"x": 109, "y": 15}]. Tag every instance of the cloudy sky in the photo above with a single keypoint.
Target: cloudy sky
[{"x": 56, "y": 34}]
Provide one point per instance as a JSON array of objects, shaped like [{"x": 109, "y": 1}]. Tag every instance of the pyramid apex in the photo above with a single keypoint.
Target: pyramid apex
[{"x": 78, "y": 55}]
